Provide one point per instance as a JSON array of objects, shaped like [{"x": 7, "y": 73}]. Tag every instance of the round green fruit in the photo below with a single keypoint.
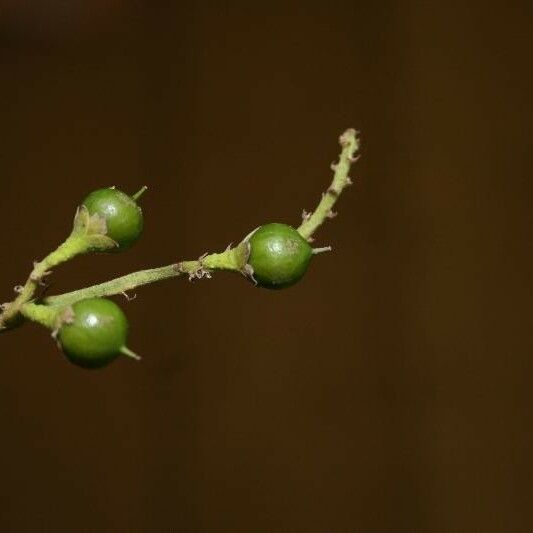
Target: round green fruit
[
  {"x": 124, "y": 218},
  {"x": 97, "y": 334},
  {"x": 279, "y": 256}
]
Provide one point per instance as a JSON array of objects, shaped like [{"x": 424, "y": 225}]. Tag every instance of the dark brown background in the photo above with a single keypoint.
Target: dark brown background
[{"x": 391, "y": 391}]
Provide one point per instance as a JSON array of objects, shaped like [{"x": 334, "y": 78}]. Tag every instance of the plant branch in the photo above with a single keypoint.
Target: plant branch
[
  {"x": 70, "y": 248},
  {"x": 232, "y": 259},
  {"x": 312, "y": 221},
  {"x": 89, "y": 234}
]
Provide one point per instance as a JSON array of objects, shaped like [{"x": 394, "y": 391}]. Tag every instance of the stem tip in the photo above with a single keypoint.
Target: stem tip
[
  {"x": 321, "y": 250},
  {"x": 139, "y": 193},
  {"x": 126, "y": 351}
]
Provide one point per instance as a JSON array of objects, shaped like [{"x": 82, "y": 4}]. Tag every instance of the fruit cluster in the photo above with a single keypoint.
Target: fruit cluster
[
  {"x": 92, "y": 330},
  {"x": 279, "y": 257}
]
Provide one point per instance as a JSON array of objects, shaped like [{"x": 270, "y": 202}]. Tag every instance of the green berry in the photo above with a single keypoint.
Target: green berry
[
  {"x": 124, "y": 218},
  {"x": 279, "y": 256},
  {"x": 97, "y": 334}
]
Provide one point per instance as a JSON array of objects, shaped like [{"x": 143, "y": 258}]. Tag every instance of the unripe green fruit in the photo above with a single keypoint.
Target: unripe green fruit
[
  {"x": 97, "y": 335},
  {"x": 124, "y": 218},
  {"x": 279, "y": 256}
]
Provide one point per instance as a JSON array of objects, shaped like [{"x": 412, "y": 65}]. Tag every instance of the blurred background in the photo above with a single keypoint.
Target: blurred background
[{"x": 391, "y": 390}]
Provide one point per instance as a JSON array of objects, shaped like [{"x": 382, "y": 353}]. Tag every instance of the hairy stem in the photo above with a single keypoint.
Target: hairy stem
[
  {"x": 73, "y": 246},
  {"x": 88, "y": 234},
  {"x": 49, "y": 317},
  {"x": 116, "y": 286},
  {"x": 311, "y": 221},
  {"x": 233, "y": 260}
]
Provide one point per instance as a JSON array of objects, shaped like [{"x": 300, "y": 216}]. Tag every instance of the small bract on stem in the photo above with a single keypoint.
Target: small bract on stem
[{"x": 272, "y": 256}]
